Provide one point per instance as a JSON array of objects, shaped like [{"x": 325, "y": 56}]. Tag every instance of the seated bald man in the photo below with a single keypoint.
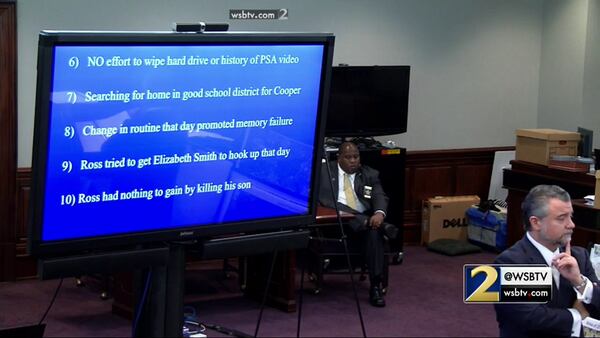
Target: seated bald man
[{"x": 357, "y": 189}]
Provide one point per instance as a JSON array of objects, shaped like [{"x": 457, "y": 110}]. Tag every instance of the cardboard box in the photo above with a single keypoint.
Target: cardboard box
[
  {"x": 445, "y": 217},
  {"x": 537, "y": 145}
]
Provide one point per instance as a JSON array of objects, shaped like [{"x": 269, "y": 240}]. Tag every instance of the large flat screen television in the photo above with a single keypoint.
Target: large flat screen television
[
  {"x": 157, "y": 136},
  {"x": 368, "y": 101}
]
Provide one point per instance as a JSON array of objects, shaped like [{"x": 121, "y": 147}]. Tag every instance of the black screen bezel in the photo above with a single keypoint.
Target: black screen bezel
[{"x": 49, "y": 39}]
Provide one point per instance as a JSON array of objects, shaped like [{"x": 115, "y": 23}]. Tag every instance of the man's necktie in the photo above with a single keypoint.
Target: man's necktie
[{"x": 350, "y": 199}]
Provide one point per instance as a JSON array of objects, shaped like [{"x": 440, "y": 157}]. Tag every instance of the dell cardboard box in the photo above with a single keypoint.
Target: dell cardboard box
[{"x": 445, "y": 217}]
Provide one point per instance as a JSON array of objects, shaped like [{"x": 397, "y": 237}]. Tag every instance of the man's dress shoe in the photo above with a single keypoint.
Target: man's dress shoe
[{"x": 376, "y": 297}]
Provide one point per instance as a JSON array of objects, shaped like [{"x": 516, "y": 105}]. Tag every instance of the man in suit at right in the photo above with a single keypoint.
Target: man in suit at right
[{"x": 547, "y": 213}]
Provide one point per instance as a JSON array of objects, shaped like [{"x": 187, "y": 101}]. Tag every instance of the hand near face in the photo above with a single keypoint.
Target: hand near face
[{"x": 567, "y": 265}]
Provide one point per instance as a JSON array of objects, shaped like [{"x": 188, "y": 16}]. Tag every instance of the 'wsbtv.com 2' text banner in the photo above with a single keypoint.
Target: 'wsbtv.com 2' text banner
[{"x": 494, "y": 283}]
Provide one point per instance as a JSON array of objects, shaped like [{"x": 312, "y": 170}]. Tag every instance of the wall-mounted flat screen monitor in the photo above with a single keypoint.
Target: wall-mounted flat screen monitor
[
  {"x": 157, "y": 136},
  {"x": 368, "y": 101}
]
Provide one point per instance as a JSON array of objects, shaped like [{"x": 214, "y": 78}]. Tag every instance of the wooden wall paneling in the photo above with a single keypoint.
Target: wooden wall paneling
[
  {"x": 411, "y": 225},
  {"x": 430, "y": 182},
  {"x": 23, "y": 195},
  {"x": 473, "y": 180},
  {"x": 408, "y": 188},
  {"x": 445, "y": 173},
  {"x": 8, "y": 137},
  {"x": 426, "y": 182},
  {"x": 25, "y": 264}
]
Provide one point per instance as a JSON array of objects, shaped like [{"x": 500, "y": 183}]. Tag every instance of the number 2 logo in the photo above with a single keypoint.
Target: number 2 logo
[{"x": 481, "y": 294}]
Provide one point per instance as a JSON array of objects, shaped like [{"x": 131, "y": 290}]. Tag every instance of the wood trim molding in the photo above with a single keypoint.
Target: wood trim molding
[{"x": 8, "y": 137}]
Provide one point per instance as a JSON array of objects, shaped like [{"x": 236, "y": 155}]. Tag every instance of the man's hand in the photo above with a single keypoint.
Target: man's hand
[
  {"x": 376, "y": 220},
  {"x": 578, "y": 305},
  {"x": 567, "y": 265}
]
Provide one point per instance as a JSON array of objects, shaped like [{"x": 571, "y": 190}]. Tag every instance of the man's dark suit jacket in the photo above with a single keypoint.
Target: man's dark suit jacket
[
  {"x": 365, "y": 177},
  {"x": 553, "y": 318}
]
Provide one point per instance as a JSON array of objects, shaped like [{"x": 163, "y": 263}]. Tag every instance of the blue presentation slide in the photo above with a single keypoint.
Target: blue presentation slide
[{"x": 157, "y": 137}]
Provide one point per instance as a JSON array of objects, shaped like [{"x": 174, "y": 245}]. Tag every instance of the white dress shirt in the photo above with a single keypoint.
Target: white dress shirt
[
  {"x": 585, "y": 296},
  {"x": 342, "y": 194}
]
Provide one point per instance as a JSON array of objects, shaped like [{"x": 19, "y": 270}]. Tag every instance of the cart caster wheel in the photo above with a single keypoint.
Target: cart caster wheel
[{"x": 398, "y": 258}]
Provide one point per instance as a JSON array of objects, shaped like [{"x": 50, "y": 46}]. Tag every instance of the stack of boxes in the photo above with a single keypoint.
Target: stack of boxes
[{"x": 458, "y": 217}]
